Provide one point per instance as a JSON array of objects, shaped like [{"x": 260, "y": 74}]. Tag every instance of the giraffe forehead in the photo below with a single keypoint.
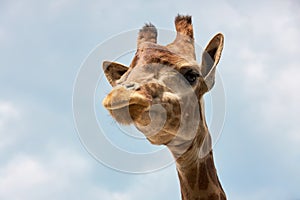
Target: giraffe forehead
[{"x": 153, "y": 53}]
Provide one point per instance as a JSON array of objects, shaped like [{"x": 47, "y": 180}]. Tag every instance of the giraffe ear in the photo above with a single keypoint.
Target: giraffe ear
[
  {"x": 210, "y": 59},
  {"x": 113, "y": 71}
]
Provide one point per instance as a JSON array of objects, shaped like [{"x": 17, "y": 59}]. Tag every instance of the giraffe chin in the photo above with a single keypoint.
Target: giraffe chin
[
  {"x": 129, "y": 114},
  {"x": 161, "y": 138}
]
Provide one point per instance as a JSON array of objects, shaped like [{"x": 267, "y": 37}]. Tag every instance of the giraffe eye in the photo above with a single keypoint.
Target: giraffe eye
[{"x": 191, "y": 76}]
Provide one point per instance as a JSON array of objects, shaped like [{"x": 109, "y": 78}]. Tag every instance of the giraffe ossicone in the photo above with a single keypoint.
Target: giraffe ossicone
[{"x": 161, "y": 93}]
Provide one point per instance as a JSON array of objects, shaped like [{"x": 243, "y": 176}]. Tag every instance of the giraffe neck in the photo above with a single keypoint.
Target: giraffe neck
[
  {"x": 199, "y": 180},
  {"x": 195, "y": 166}
]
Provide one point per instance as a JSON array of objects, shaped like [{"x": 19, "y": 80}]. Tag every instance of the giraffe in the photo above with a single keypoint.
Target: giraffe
[{"x": 166, "y": 83}]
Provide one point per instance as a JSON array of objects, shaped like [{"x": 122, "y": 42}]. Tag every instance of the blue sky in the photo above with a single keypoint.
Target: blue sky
[{"x": 42, "y": 46}]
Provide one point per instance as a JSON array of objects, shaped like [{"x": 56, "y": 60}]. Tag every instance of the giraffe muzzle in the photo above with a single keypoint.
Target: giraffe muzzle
[{"x": 126, "y": 95}]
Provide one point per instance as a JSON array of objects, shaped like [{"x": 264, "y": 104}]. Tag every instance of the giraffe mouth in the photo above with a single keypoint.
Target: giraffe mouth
[
  {"x": 120, "y": 99},
  {"x": 127, "y": 107}
]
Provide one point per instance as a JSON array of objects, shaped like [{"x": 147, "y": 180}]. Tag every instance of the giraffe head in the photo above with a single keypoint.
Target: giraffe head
[{"x": 163, "y": 85}]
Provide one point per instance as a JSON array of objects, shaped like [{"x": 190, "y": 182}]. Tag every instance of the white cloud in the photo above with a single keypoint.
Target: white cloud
[
  {"x": 8, "y": 112},
  {"x": 279, "y": 108},
  {"x": 268, "y": 65},
  {"x": 262, "y": 75},
  {"x": 20, "y": 176},
  {"x": 30, "y": 177},
  {"x": 159, "y": 185},
  {"x": 100, "y": 193},
  {"x": 162, "y": 184},
  {"x": 63, "y": 174},
  {"x": 10, "y": 115},
  {"x": 262, "y": 193},
  {"x": 271, "y": 82}
]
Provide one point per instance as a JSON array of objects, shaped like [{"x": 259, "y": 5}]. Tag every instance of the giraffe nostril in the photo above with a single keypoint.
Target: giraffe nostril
[
  {"x": 129, "y": 86},
  {"x": 132, "y": 86}
]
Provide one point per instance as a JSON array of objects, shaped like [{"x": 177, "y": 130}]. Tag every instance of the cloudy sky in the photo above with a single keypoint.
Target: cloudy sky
[{"x": 42, "y": 46}]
